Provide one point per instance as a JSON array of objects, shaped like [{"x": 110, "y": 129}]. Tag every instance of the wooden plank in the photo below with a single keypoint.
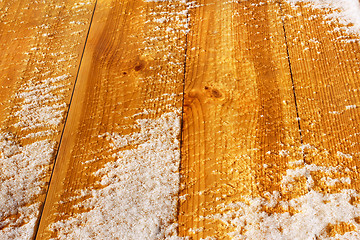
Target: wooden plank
[
  {"x": 240, "y": 122},
  {"x": 132, "y": 69},
  {"x": 41, "y": 45},
  {"x": 325, "y": 66}
]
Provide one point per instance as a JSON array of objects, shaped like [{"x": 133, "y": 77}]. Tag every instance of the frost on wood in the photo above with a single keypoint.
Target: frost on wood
[
  {"x": 139, "y": 195},
  {"x": 308, "y": 216},
  {"x": 305, "y": 217},
  {"x": 138, "y": 191},
  {"x": 346, "y": 12},
  {"x": 35, "y": 111},
  {"x": 41, "y": 105},
  {"x": 22, "y": 169}
]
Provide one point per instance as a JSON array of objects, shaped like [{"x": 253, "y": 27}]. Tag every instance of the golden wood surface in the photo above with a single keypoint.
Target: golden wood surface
[
  {"x": 38, "y": 41},
  {"x": 124, "y": 71},
  {"x": 239, "y": 111},
  {"x": 325, "y": 66},
  {"x": 261, "y": 92}
]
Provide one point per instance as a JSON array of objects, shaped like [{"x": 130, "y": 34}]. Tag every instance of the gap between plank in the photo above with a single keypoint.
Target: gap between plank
[
  {"x": 291, "y": 73},
  {"x": 182, "y": 111},
  {"x": 293, "y": 84},
  {"x": 66, "y": 118}
]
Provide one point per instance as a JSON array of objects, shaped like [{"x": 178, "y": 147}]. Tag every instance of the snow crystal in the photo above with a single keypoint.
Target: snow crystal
[
  {"x": 284, "y": 153},
  {"x": 305, "y": 171},
  {"x": 330, "y": 181},
  {"x": 344, "y": 155},
  {"x": 350, "y": 107}
]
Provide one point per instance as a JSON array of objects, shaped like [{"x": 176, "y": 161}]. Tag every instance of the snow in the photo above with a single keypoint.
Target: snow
[
  {"x": 305, "y": 217},
  {"x": 33, "y": 118},
  {"x": 41, "y": 105},
  {"x": 139, "y": 195},
  {"x": 22, "y": 169},
  {"x": 344, "y": 155},
  {"x": 350, "y": 107},
  {"x": 138, "y": 198},
  {"x": 345, "y": 12},
  {"x": 308, "y": 216}
]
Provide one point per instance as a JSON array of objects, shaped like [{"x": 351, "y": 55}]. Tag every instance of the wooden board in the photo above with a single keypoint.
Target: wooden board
[
  {"x": 125, "y": 71},
  {"x": 261, "y": 93},
  {"x": 41, "y": 44},
  {"x": 325, "y": 66},
  {"x": 240, "y": 121},
  {"x": 42, "y": 40}
]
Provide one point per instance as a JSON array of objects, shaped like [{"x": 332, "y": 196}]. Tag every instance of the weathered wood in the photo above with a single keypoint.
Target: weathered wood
[
  {"x": 132, "y": 69},
  {"x": 240, "y": 126}
]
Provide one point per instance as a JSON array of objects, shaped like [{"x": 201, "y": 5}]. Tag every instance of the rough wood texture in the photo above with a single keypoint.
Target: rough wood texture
[
  {"x": 39, "y": 42},
  {"x": 268, "y": 88},
  {"x": 239, "y": 111},
  {"x": 126, "y": 74},
  {"x": 325, "y": 66}
]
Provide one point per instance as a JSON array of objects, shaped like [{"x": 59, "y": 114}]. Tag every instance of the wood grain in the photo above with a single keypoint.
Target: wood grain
[
  {"x": 38, "y": 41},
  {"x": 325, "y": 66},
  {"x": 132, "y": 69},
  {"x": 261, "y": 86},
  {"x": 240, "y": 121}
]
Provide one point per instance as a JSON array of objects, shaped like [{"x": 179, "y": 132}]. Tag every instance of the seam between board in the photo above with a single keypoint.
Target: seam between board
[
  {"x": 293, "y": 86},
  {"x": 65, "y": 121},
  {"x": 291, "y": 73},
  {"x": 182, "y": 112}
]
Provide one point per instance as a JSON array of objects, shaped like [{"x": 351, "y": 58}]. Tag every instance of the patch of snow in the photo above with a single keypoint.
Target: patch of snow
[
  {"x": 139, "y": 195},
  {"x": 27, "y": 145},
  {"x": 350, "y": 107},
  {"x": 22, "y": 169},
  {"x": 309, "y": 218},
  {"x": 344, "y": 155},
  {"x": 346, "y": 12}
]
